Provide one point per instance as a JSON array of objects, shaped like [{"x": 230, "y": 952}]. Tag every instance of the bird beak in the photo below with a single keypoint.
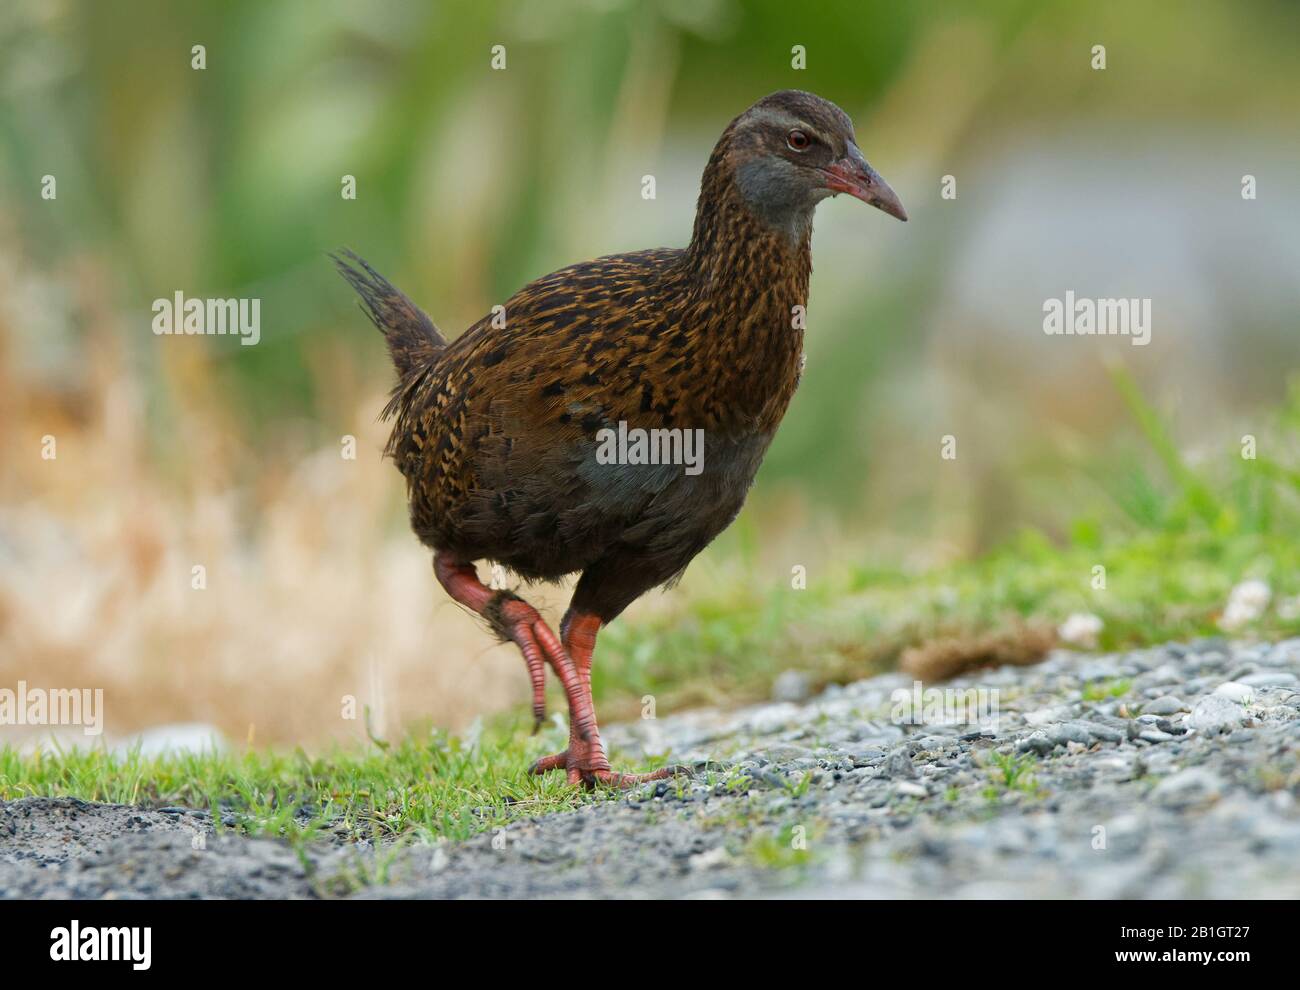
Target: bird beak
[{"x": 852, "y": 175}]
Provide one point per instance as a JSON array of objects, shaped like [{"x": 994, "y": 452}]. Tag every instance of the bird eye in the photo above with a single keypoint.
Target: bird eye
[{"x": 798, "y": 140}]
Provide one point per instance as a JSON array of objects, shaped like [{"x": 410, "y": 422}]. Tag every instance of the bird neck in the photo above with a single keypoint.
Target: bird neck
[
  {"x": 746, "y": 284},
  {"x": 736, "y": 244}
]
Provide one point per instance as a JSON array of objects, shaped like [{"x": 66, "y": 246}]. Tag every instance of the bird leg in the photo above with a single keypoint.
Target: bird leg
[
  {"x": 585, "y": 761},
  {"x": 515, "y": 620}
]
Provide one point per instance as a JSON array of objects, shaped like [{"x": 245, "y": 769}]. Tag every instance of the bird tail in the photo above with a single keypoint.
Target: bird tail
[{"x": 412, "y": 338}]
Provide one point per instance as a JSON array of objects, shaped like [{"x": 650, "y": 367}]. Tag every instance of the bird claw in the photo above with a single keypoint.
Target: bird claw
[
  {"x": 582, "y": 769},
  {"x": 622, "y": 781}
]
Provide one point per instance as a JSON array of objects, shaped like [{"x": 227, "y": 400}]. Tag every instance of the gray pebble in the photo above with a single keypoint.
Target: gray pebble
[
  {"x": 1166, "y": 704},
  {"x": 1068, "y": 732},
  {"x": 1214, "y": 714},
  {"x": 899, "y": 765},
  {"x": 867, "y": 757},
  {"x": 907, "y": 788},
  {"x": 791, "y": 685},
  {"x": 1270, "y": 678},
  {"x": 1191, "y": 786},
  {"x": 1235, "y": 691},
  {"x": 1036, "y": 742},
  {"x": 1105, "y": 733}
]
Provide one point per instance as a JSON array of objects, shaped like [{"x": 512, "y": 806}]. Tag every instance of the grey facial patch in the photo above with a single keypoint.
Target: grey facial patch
[{"x": 780, "y": 193}]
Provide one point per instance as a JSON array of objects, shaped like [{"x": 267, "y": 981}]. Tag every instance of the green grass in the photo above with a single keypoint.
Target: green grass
[
  {"x": 783, "y": 850},
  {"x": 1107, "y": 689},
  {"x": 1013, "y": 773},
  {"x": 428, "y": 787}
]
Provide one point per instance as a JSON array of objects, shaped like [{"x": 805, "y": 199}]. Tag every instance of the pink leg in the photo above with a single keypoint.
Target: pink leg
[
  {"x": 514, "y": 619},
  {"x": 585, "y": 761}
]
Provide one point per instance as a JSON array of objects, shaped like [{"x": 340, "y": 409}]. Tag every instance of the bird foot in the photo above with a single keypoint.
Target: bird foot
[{"x": 581, "y": 767}]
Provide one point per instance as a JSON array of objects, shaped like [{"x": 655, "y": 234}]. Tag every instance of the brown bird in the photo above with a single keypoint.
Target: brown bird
[{"x": 507, "y": 436}]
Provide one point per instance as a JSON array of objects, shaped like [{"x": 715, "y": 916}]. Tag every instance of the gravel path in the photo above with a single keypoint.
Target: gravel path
[{"x": 1169, "y": 772}]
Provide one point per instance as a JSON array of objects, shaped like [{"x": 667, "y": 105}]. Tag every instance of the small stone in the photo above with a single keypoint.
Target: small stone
[
  {"x": 1287, "y": 651},
  {"x": 899, "y": 765},
  {"x": 1046, "y": 716},
  {"x": 710, "y": 858},
  {"x": 867, "y": 757},
  {"x": 791, "y": 685},
  {"x": 1068, "y": 732},
  {"x": 787, "y": 753},
  {"x": 907, "y": 788},
  {"x": 1036, "y": 742},
  {"x": 1214, "y": 714},
  {"x": 1246, "y": 603},
  {"x": 1243, "y": 694},
  {"x": 1194, "y": 785},
  {"x": 1165, "y": 674},
  {"x": 1166, "y": 704},
  {"x": 1081, "y": 629},
  {"x": 1270, "y": 678},
  {"x": 1105, "y": 733},
  {"x": 763, "y": 779},
  {"x": 928, "y": 744}
]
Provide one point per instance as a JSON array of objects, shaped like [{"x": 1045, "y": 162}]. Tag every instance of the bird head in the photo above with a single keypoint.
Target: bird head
[{"x": 791, "y": 150}]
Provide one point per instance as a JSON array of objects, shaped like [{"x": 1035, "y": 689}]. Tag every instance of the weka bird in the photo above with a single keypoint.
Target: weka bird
[{"x": 497, "y": 432}]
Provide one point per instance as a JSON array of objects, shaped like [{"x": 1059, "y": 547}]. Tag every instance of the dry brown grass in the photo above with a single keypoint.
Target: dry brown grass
[
  {"x": 314, "y": 591},
  {"x": 944, "y": 658}
]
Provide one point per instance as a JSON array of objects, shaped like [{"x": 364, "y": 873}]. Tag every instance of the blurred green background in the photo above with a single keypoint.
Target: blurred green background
[
  {"x": 226, "y": 181},
  {"x": 472, "y": 182}
]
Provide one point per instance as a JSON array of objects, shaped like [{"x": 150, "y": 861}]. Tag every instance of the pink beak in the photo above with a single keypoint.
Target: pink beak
[{"x": 852, "y": 175}]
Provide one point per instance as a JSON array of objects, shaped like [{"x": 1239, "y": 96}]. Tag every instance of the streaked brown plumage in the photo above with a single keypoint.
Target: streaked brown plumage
[{"x": 496, "y": 433}]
